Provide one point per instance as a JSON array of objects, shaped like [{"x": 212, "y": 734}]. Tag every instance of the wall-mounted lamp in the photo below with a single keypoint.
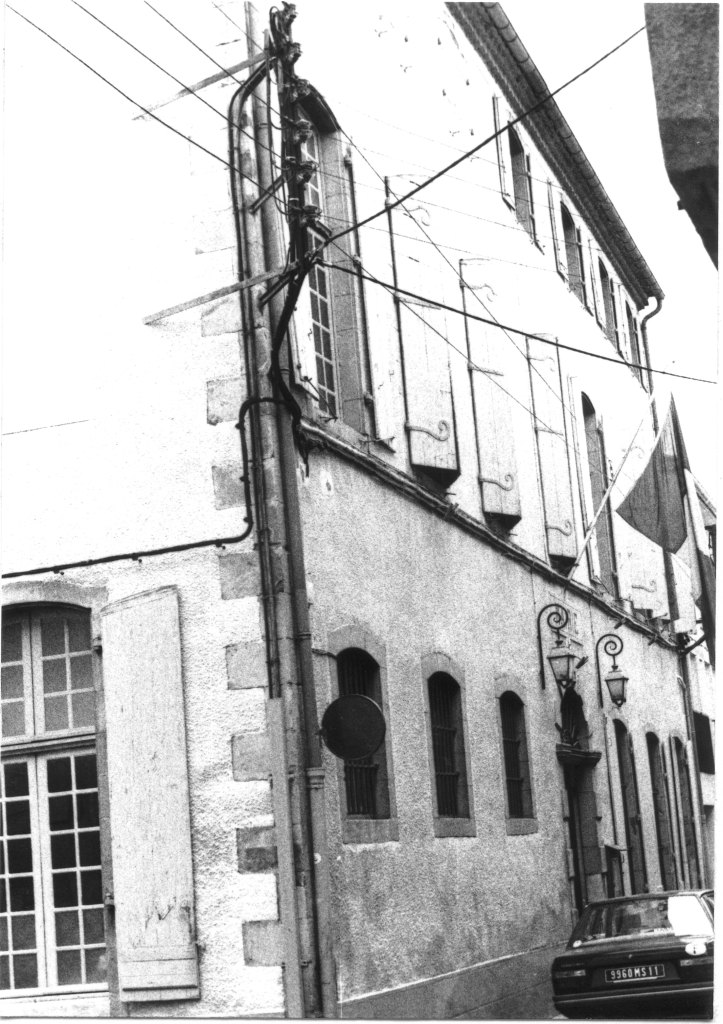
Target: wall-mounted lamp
[
  {"x": 615, "y": 680},
  {"x": 562, "y": 658}
]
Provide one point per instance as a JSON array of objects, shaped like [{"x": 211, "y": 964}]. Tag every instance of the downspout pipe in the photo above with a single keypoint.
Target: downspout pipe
[{"x": 296, "y": 660}]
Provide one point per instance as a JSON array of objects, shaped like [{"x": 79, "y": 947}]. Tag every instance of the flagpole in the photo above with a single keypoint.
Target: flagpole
[{"x": 608, "y": 492}]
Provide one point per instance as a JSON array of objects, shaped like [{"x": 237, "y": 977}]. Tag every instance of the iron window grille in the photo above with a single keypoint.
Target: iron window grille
[
  {"x": 514, "y": 745},
  {"x": 445, "y": 710},
  {"x": 366, "y": 780}
]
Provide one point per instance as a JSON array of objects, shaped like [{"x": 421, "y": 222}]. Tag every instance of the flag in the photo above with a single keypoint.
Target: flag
[{"x": 661, "y": 504}]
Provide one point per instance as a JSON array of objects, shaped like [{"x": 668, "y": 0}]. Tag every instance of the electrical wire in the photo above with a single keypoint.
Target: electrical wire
[
  {"x": 191, "y": 41},
  {"x": 485, "y": 142},
  {"x": 516, "y": 330}
]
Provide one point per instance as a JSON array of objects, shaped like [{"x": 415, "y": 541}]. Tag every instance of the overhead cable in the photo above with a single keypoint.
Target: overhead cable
[{"x": 470, "y": 152}]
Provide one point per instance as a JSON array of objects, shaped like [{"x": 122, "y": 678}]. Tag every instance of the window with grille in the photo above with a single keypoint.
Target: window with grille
[
  {"x": 514, "y": 745},
  {"x": 51, "y": 893},
  {"x": 522, "y": 185},
  {"x": 366, "y": 779},
  {"x": 573, "y": 252},
  {"x": 448, "y": 754}
]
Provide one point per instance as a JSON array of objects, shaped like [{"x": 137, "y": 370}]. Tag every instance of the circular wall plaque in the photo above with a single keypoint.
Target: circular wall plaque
[{"x": 353, "y": 726}]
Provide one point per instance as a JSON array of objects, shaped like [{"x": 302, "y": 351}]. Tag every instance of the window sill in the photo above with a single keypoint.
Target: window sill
[
  {"x": 53, "y": 993},
  {"x": 450, "y": 828},
  {"x": 521, "y": 826},
  {"x": 370, "y": 830}
]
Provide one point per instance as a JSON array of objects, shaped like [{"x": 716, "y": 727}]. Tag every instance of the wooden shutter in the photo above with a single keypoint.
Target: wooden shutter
[
  {"x": 149, "y": 802},
  {"x": 551, "y": 436},
  {"x": 502, "y": 118},
  {"x": 498, "y": 475},
  {"x": 558, "y": 235},
  {"x": 582, "y": 467},
  {"x": 430, "y": 422},
  {"x": 595, "y": 287}
]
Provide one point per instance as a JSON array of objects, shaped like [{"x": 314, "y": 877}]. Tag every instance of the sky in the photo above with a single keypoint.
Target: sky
[{"x": 612, "y": 112}]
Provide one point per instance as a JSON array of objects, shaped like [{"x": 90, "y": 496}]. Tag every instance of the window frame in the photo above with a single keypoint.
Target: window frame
[
  {"x": 461, "y": 825},
  {"x": 574, "y": 255},
  {"x": 522, "y": 189},
  {"x": 35, "y": 749},
  {"x": 357, "y": 829},
  {"x": 611, "y": 326},
  {"x": 511, "y": 712}
]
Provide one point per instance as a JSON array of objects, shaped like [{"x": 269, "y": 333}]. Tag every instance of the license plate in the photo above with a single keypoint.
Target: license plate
[{"x": 645, "y": 972}]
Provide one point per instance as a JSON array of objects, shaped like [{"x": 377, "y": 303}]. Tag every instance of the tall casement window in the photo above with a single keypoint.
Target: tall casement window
[
  {"x": 607, "y": 287},
  {"x": 516, "y": 761},
  {"x": 448, "y": 753},
  {"x": 634, "y": 344},
  {"x": 366, "y": 779},
  {"x": 522, "y": 184},
  {"x": 631, "y": 809},
  {"x": 661, "y": 810},
  {"x": 597, "y": 465},
  {"x": 704, "y": 743},
  {"x": 686, "y": 823},
  {"x": 573, "y": 253},
  {"x": 331, "y": 357},
  {"x": 51, "y": 893}
]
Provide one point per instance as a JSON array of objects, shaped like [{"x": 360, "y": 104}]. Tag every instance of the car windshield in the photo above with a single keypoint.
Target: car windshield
[{"x": 672, "y": 915}]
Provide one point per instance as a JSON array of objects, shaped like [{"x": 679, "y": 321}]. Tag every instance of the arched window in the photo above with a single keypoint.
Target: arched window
[
  {"x": 448, "y": 750},
  {"x": 607, "y": 286},
  {"x": 517, "y": 766},
  {"x": 366, "y": 779},
  {"x": 661, "y": 809},
  {"x": 631, "y": 809},
  {"x": 686, "y": 822},
  {"x": 522, "y": 185},
  {"x": 51, "y": 894},
  {"x": 573, "y": 252},
  {"x": 597, "y": 466}
]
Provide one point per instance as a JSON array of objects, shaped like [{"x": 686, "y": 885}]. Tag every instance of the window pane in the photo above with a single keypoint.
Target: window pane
[
  {"x": 95, "y": 966},
  {"x": 89, "y": 843},
  {"x": 18, "y": 815},
  {"x": 65, "y": 889},
  {"x": 52, "y": 632},
  {"x": 26, "y": 971},
  {"x": 83, "y": 708},
  {"x": 86, "y": 774},
  {"x": 24, "y": 931},
  {"x": 56, "y": 714},
  {"x": 4, "y": 934},
  {"x": 79, "y": 632},
  {"x": 93, "y": 928},
  {"x": 12, "y": 681},
  {"x": 13, "y": 723},
  {"x": 16, "y": 779},
  {"x": 59, "y": 779},
  {"x": 55, "y": 675},
  {"x": 87, "y": 810},
  {"x": 20, "y": 856},
  {"x": 12, "y": 641},
  {"x": 62, "y": 850},
  {"x": 67, "y": 928},
  {"x": 91, "y": 888},
  {"x": 4, "y": 972},
  {"x": 81, "y": 672},
  {"x": 61, "y": 813},
  {"x": 22, "y": 894},
  {"x": 69, "y": 972}
]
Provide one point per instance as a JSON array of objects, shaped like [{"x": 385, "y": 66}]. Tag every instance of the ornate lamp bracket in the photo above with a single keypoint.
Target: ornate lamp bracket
[{"x": 612, "y": 644}]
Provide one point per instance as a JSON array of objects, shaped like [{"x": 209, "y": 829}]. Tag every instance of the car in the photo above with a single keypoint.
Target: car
[{"x": 648, "y": 955}]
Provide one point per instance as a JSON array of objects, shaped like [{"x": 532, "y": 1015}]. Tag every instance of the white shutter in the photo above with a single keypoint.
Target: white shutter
[
  {"x": 552, "y": 447},
  {"x": 430, "y": 422},
  {"x": 301, "y": 334},
  {"x": 558, "y": 234},
  {"x": 499, "y": 479},
  {"x": 597, "y": 297},
  {"x": 623, "y": 334},
  {"x": 502, "y": 118},
  {"x": 149, "y": 800}
]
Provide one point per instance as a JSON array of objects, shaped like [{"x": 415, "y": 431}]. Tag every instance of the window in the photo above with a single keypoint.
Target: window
[
  {"x": 634, "y": 344},
  {"x": 597, "y": 467},
  {"x": 631, "y": 809},
  {"x": 366, "y": 779},
  {"x": 332, "y": 360},
  {"x": 448, "y": 753},
  {"x": 704, "y": 743},
  {"x": 51, "y": 895},
  {"x": 514, "y": 744},
  {"x": 686, "y": 823},
  {"x": 661, "y": 810},
  {"x": 610, "y": 325},
  {"x": 573, "y": 252},
  {"x": 522, "y": 185}
]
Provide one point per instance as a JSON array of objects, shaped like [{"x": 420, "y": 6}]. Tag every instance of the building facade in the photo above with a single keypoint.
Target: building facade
[{"x": 341, "y": 446}]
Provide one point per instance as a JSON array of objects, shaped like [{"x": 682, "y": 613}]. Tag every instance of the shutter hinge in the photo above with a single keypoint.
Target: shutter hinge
[
  {"x": 97, "y": 644},
  {"x": 109, "y": 900}
]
